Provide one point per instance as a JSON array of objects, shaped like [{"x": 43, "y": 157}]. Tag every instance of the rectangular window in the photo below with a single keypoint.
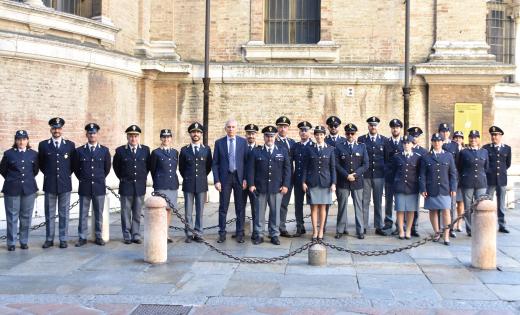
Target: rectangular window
[
  {"x": 292, "y": 21},
  {"x": 84, "y": 8},
  {"x": 500, "y": 32}
]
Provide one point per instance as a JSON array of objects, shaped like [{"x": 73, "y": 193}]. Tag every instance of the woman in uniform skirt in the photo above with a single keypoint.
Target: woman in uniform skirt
[
  {"x": 19, "y": 167},
  {"x": 319, "y": 180},
  {"x": 438, "y": 184},
  {"x": 458, "y": 137},
  {"x": 405, "y": 168}
]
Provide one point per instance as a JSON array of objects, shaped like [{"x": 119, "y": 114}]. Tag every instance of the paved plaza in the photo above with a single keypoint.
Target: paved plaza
[{"x": 430, "y": 279}]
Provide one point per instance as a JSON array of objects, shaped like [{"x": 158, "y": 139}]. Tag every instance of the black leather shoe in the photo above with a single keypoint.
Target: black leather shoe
[
  {"x": 100, "y": 242},
  {"x": 302, "y": 230},
  {"x": 503, "y": 229},
  {"x": 240, "y": 239},
  {"x": 415, "y": 234},
  {"x": 447, "y": 243},
  {"x": 80, "y": 243},
  {"x": 188, "y": 239},
  {"x": 452, "y": 234},
  {"x": 345, "y": 233},
  {"x": 395, "y": 232},
  {"x": 258, "y": 240},
  {"x": 11, "y": 248},
  {"x": 127, "y": 242},
  {"x": 137, "y": 241},
  {"x": 221, "y": 239},
  {"x": 64, "y": 244},
  {"x": 364, "y": 231},
  {"x": 275, "y": 240},
  {"x": 169, "y": 240},
  {"x": 24, "y": 246},
  {"x": 285, "y": 234},
  {"x": 338, "y": 236},
  {"x": 48, "y": 244},
  {"x": 197, "y": 239},
  {"x": 468, "y": 233},
  {"x": 361, "y": 236},
  {"x": 380, "y": 232}
]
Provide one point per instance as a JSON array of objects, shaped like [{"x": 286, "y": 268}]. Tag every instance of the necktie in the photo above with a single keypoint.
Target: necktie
[
  {"x": 287, "y": 143},
  {"x": 231, "y": 155},
  {"x": 350, "y": 146},
  {"x": 270, "y": 151},
  {"x": 133, "y": 150},
  {"x": 91, "y": 149},
  {"x": 250, "y": 148},
  {"x": 319, "y": 150},
  {"x": 56, "y": 144},
  {"x": 373, "y": 139},
  {"x": 196, "y": 150}
]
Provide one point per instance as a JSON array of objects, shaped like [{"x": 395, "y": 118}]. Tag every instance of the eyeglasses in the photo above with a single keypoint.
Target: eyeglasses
[{"x": 350, "y": 133}]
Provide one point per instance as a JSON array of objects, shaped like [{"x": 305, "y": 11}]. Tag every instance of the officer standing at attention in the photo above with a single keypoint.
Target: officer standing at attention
[
  {"x": 393, "y": 145},
  {"x": 194, "y": 166},
  {"x": 374, "y": 177},
  {"x": 268, "y": 176},
  {"x": 163, "y": 167},
  {"x": 351, "y": 163},
  {"x": 453, "y": 148},
  {"x": 473, "y": 164},
  {"x": 131, "y": 164},
  {"x": 91, "y": 164},
  {"x": 55, "y": 156},
  {"x": 333, "y": 124},
  {"x": 19, "y": 166},
  {"x": 251, "y": 131},
  {"x": 458, "y": 137},
  {"x": 298, "y": 151},
  {"x": 499, "y": 161},
  {"x": 282, "y": 141}
]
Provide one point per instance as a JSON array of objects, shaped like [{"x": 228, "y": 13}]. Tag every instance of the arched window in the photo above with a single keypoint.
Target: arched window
[{"x": 292, "y": 21}]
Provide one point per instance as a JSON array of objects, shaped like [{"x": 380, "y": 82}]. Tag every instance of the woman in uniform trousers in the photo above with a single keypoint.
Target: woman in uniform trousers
[
  {"x": 404, "y": 168},
  {"x": 19, "y": 167},
  {"x": 472, "y": 164},
  {"x": 163, "y": 167},
  {"x": 319, "y": 180},
  {"x": 458, "y": 138},
  {"x": 438, "y": 184}
]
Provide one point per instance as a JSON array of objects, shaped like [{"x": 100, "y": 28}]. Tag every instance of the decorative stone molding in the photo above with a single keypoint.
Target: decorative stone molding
[
  {"x": 461, "y": 51},
  {"x": 35, "y": 3},
  {"x": 157, "y": 49},
  {"x": 43, "y": 18},
  {"x": 323, "y": 52},
  {"x": 460, "y": 74}
]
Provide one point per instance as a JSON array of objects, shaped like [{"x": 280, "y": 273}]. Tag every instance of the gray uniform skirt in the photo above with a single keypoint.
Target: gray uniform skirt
[
  {"x": 320, "y": 196},
  {"x": 406, "y": 202},
  {"x": 437, "y": 202},
  {"x": 170, "y": 194}
]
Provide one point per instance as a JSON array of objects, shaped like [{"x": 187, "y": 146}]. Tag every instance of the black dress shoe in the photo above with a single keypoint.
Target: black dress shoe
[
  {"x": 137, "y": 241},
  {"x": 11, "y": 248},
  {"x": 197, "y": 239},
  {"x": 361, "y": 236},
  {"x": 188, "y": 239},
  {"x": 380, "y": 232},
  {"x": 169, "y": 240},
  {"x": 221, "y": 239},
  {"x": 100, "y": 242},
  {"x": 338, "y": 236},
  {"x": 452, "y": 234},
  {"x": 407, "y": 237},
  {"x": 24, "y": 246},
  {"x": 415, "y": 234},
  {"x": 302, "y": 230},
  {"x": 468, "y": 233},
  {"x": 64, "y": 244},
  {"x": 240, "y": 239},
  {"x": 503, "y": 229},
  {"x": 285, "y": 234},
  {"x": 258, "y": 240},
  {"x": 127, "y": 242},
  {"x": 364, "y": 231},
  {"x": 80, "y": 243},
  {"x": 447, "y": 243},
  {"x": 401, "y": 237},
  {"x": 275, "y": 240},
  {"x": 48, "y": 244}
]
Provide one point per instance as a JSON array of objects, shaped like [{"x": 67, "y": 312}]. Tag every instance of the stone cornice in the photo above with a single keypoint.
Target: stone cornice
[
  {"x": 322, "y": 52},
  {"x": 464, "y": 74}
]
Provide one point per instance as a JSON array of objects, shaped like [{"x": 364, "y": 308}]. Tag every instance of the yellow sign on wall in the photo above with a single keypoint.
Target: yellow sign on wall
[{"x": 468, "y": 116}]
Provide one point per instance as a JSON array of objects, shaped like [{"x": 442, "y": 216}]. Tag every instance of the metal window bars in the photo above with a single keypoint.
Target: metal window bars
[
  {"x": 84, "y": 8},
  {"x": 500, "y": 32},
  {"x": 292, "y": 21}
]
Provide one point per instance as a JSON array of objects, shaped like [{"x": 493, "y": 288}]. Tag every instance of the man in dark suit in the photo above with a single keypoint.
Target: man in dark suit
[
  {"x": 131, "y": 165},
  {"x": 91, "y": 164},
  {"x": 282, "y": 141},
  {"x": 55, "y": 156},
  {"x": 251, "y": 131},
  {"x": 268, "y": 176},
  {"x": 229, "y": 161},
  {"x": 393, "y": 145},
  {"x": 194, "y": 166},
  {"x": 499, "y": 161}
]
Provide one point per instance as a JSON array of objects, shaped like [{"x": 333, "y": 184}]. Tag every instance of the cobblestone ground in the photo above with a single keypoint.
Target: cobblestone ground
[{"x": 114, "y": 279}]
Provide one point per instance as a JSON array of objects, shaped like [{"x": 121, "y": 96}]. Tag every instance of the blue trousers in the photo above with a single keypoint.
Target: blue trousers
[
  {"x": 389, "y": 204},
  {"x": 197, "y": 200},
  {"x": 470, "y": 194},
  {"x": 231, "y": 184},
  {"x": 18, "y": 207},
  {"x": 501, "y": 202},
  {"x": 274, "y": 201},
  {"x": 98, "y": 203},
  {"x": 373, "y": 187},
  {"x": 285, "y": 208},
  {"x": 131, "y": 210},
  {"x": 63, "y": 202}
]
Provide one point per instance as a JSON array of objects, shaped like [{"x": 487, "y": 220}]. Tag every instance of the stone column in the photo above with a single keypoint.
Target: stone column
[
  {"x": 105, "y": 232},
  {"x": 155, "y": 231},
  {"x": 484, "y": 235}
]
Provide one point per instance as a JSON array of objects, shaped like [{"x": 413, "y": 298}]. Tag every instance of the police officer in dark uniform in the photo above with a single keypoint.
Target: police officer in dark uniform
[
  {"x": 268, "y": 176},
  {"x": 298, "y": 151},
  {"x": 333, "y": 124},
  {"x": 55, "y": 156},
  {"x": 163, "y": 168},
  {"x": 91, "y": 164},
  {"x": 416, "y": 132},
  {"x": 251, "y": 131},
  {"x": 393, "y": 145},
  {"x": 351, "y": 163},
  {"x": 194, "y": 166},
  {"x": 374, "y": 177},
  {"x": 19, "y": 166},
  {"x": 472, "y": 164},
  {"x": 499, "y": 161},
  {"x": 131, "y": 164},
  {"x": 282, "y": 141}
]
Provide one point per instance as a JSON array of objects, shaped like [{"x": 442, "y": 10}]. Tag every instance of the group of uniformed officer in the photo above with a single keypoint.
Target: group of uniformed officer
[{"x": 265, "y": 174}]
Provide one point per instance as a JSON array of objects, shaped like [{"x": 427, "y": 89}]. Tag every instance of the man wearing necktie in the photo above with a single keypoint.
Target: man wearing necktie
[
  {"x": 393, "y": 145},
  {"x": 282, "y": 141},
  {"x": 499, "y": 161},
  {"x": 55, "y": 156},
  {"x": 131, "y": 164},
  {"x": 91, "y": 165},
  {"x": 229, "y": 161},
  {"x": 333, "y": 123},
  {"x": 251, "y": 131}
]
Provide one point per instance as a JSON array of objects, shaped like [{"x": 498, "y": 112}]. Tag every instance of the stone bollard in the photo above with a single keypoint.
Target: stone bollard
[
  {"x": 105, "y": 231},
  {"x": 317, "y": 255},
  {"x": 155, "y": 231},
  {"x": 484, "y": 235}
]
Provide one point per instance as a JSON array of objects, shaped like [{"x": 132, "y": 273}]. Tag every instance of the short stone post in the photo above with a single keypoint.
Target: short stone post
[
  {"x": 484, "y": 235},
  {"x": 105, "y": 230},
  {"x": 317, "y": 255},
  {"x": 155, "y": 231}
]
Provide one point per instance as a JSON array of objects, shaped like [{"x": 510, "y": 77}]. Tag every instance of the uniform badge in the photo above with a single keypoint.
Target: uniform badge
[
  {"x": 66, "y": 156},
  {"x": 133, "y": 127},
  {"x": 357, "y": 154}
]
